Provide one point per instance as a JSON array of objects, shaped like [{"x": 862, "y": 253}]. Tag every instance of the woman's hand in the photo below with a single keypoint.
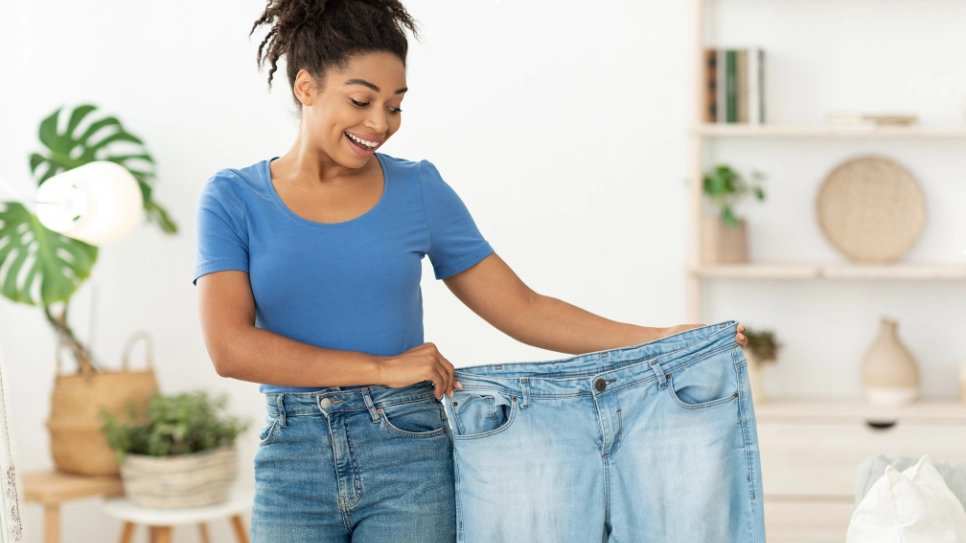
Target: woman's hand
[
  {"x": 421, "y": 363},
  {"x": 739, "y": 335}
]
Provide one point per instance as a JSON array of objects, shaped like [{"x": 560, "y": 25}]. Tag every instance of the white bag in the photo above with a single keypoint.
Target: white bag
[{"x": 915, "y": 506}]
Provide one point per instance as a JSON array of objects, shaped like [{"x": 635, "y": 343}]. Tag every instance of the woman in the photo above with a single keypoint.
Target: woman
[{"x": 309, "y": 269}]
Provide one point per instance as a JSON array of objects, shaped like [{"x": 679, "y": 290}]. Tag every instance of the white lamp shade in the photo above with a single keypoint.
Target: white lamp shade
[{"x": 98, "y": 203}]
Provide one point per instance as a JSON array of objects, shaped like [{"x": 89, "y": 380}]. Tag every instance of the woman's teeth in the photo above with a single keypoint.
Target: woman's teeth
[{"x": 368, "y": 144}]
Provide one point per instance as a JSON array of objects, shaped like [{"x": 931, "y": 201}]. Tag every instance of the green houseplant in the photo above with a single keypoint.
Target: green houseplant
[
  {"x": 41, "y": 267},
  {"x": 724, "y": 234},
  {"x": 763, "y": 348},
  {"x": 177, "y": 452}
]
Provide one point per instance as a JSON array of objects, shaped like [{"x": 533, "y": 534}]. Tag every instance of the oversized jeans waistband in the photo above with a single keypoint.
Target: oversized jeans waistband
[{"x": 577, "y": 375}]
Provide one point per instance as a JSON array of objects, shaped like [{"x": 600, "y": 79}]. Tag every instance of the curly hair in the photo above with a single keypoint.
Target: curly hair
[{"x": 320, "y": 34}]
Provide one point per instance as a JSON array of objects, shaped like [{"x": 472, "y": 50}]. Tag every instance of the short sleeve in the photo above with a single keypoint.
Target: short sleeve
[
  {"x": 222, "y": 238},
  {"x": 455, "y": 242}
]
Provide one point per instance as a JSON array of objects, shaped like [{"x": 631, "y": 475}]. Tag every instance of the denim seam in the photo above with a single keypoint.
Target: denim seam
[
  {"x": 691, "y": 346},
  {"x": 459, "y": 503},
  {"x": 270, "y": 437},
  {"x": 290, "y": 413},
  {"x": 514, "y": 407},
  {"x": 356, "y": 490},
  {"x": 441, "y": 431},
  {"x": 744, "y": 445},
  {"x": 583, "y": 376}
]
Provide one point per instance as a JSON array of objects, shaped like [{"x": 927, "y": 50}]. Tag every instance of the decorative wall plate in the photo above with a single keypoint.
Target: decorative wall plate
[{"x": 871, "y": 209}]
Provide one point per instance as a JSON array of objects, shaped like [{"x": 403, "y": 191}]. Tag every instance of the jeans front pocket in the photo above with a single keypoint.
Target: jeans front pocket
[
  {"x": 481, "y": 412},
  {"x": 708, "y": 382},
  {"x": 268, "y": 432},
  {"x": 421, "y": 418}
]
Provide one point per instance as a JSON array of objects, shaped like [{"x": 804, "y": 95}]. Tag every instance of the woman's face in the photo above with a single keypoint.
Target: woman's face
[{"x": 359, "y": 103}]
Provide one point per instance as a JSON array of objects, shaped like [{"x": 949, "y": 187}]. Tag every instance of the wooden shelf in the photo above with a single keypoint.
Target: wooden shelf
[
  {"x": 922, "y": 271},
  {"x": 948, "y": 411},
  {"x": 827, "y": 131}
]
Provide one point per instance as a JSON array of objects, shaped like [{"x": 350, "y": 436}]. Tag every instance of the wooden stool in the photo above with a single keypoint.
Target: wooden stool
[
  {"x": 51, "y": 488},
  {"x": 160, "y": 521}
]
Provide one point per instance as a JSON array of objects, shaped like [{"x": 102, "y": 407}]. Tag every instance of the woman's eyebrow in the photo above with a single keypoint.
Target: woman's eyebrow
[{"x": 371, "y": 86}]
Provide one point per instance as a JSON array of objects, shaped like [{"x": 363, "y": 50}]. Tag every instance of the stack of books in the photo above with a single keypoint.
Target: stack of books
[{"x": 734, "y": 85}]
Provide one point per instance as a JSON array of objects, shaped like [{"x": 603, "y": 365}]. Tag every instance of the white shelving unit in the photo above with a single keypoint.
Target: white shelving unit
[
  {"x": 811, "y": 449},
  {"x": 702, "y": 134}
]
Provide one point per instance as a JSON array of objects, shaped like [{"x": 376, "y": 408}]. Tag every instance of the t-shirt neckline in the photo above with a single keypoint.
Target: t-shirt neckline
[{"x": 372, "y": 210}]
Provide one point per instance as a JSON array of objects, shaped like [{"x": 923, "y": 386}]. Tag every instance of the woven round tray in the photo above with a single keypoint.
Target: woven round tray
[{"x": 871, "y": 209}]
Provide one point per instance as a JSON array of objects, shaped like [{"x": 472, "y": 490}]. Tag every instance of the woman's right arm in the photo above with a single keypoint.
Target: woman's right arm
[{"x": 241, "y": 351}]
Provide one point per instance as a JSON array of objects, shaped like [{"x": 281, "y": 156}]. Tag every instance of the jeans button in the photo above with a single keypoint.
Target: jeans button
[
  {"x": 600, "y": 385},
  {"x": 325, "y": 403}
]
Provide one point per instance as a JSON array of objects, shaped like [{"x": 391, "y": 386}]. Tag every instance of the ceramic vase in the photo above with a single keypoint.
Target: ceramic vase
[{"x": 889, "y": 372}]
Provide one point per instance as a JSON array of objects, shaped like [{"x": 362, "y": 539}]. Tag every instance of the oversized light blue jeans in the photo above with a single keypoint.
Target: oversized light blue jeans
[{"x": 648, "y": 443}]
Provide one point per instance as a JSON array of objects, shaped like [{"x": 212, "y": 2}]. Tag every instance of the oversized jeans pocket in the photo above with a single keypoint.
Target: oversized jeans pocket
[
  {"x": 481, "y": 412},
  {"x": 706, "y": 383}
]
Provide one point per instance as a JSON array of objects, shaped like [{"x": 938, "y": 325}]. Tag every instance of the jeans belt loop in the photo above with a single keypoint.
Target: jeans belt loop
[
  {"x": 659, "y": 371},
  {"x": 525, "y": 388},
  {"x": 280, "y": 403},
  {"x": 373, "y": 412}
]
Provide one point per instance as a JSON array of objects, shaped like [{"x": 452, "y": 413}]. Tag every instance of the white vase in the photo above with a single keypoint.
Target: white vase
[{"x": 889, "y": 372}]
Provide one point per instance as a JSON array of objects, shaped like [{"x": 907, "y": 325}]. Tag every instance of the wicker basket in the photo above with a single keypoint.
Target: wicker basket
[
  {"x": 190, "y": 480},
  {"x": 77, "y": 443}
]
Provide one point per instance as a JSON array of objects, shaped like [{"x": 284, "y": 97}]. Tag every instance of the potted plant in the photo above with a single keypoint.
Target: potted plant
[
  {"x": 44, "y": 268},
  {"x": 762, "y": 349},
  {"x": 723, "y": 235},
  {"x": 178, "y": 452}
]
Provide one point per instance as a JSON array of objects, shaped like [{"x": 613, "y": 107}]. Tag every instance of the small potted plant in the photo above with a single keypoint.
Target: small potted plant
[
  {"x": 762, "y": 349},
  {"x": 179, "y": 452},
  {"x": 723, "y": 235}
]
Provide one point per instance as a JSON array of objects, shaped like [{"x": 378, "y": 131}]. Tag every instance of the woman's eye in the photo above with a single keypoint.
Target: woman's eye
[
  {"x": 392, "y": 110},
  {"x": 360, "y": 104},
  {"x": 395, "y": 110}
]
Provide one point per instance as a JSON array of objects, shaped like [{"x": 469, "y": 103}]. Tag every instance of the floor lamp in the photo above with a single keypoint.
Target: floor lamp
[{"x": 98, "y": 203}]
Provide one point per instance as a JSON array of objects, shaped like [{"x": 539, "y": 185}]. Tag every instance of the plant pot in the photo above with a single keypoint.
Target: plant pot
[
  {"x": 721, "y": 244},
  {"x": 889, "y": 372},
  {"x": 190, "y": 480}
]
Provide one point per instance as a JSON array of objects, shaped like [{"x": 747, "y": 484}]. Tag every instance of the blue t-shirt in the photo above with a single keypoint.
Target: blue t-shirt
[{"x": 353, "y": 285}]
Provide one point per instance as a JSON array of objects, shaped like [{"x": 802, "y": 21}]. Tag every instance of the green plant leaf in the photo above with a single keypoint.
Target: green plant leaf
[
  {"x": 68, "y": 150},
  {"x": 60, "y": 263}
]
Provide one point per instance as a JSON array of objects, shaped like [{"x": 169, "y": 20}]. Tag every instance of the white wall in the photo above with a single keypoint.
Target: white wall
[{"x": 564, "y": 129}]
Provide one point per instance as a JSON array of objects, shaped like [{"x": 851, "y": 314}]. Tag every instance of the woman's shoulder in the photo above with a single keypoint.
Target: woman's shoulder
[{"x": 240, "y": 181}]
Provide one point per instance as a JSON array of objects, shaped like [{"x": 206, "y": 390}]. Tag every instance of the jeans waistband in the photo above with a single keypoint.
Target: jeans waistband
[
  {"x": 336, "y": 400},
  {"x": 618, "y": 367}
]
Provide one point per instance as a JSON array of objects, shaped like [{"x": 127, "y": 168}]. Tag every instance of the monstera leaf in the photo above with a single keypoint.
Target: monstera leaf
[
  {"x": 44, "y": 266},
  {"x": 98, "y": 142}
]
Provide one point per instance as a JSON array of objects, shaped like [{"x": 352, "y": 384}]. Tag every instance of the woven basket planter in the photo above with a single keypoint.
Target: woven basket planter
[
  {"x": 721, "y": 244},
  {"x": 191, "y": 480}
]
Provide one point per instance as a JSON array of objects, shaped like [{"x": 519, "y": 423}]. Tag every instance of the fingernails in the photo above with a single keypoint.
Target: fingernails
[{"x": 459, "y": 384}]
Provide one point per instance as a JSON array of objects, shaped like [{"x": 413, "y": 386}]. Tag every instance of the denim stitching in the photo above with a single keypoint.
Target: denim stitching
[
  {"x": 512, "y": 417},
  {"x": 406, "y": 433},
  {"x": 744, "y": 444},
  {"x": 469, "y": 385}
]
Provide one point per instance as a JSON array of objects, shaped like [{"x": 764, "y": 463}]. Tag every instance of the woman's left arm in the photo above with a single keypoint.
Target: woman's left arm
[{"x": 494, "y": 292}]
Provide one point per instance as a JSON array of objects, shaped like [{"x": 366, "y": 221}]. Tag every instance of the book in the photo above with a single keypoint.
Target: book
[
  {"x": 731, "y": 86},
  {"x": 741, "y": 85},
  {"x": 721, "y": 108},
  {"x": 710, "y": 84}
]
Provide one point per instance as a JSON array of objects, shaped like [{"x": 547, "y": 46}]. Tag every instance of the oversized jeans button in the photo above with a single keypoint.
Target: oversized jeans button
[
  {"x": 600, "y": 385},
  {"x": 325, "y": 403}
]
